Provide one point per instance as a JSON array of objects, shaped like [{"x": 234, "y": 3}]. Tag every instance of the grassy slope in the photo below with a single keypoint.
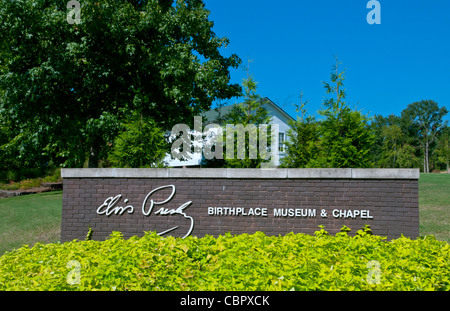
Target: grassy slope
[
  {"x": 29, "y": 219},
  {"x": 37, "y": 217}
]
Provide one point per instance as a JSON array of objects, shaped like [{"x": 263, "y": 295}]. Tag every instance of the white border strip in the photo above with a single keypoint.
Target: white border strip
[{"x": 280, "y": 173}]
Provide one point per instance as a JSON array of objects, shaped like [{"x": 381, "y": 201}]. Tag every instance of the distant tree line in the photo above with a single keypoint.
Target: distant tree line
[{"x": 417, "y": 138}]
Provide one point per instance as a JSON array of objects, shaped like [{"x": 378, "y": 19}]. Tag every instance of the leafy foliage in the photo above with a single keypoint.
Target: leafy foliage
[
  {"x": 428, "y": 118},
  {"x": 303, "y": 143},
  {"x": 443, "y": 148},
  {"x": 241, "y": 262},
  {"x": 343, "y": 138},
  {"x": 250, "y": 112},
  {"x": 346, "y": 137},
  {"x": 244, "y": 152},
  {"x": 140, "y": 144},
  {"x": 57, "y": 80}
]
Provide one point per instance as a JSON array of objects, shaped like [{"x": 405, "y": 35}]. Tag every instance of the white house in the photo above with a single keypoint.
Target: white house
[{"x": 278, "y": 116}]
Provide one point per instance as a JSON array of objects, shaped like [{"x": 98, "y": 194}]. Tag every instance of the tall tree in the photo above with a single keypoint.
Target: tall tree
[
  {"x": 244, "y": 152},
  {"x": 377, "y": 125},
  {"x": 140, "y": 144},
  {"x": 158, "y": 57},
  {"x": 396, "y": 152},
  {"x": 302, "y": 145},
  {"x": 392, "y": 135},
  {"x": 443, "y": 148},
  {"x": 428, "y": 117},
  {"x": 346, "y": 136}
]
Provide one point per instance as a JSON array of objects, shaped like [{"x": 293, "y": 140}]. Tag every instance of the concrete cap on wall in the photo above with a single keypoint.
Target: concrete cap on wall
[{"x": 267, "y": 173}]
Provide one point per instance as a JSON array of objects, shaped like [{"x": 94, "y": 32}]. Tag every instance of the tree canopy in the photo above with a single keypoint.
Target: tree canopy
[
  {"x": 160, "y": 59},
  {"x": 428, "y": 118},
  {"x": 343, "y": 138}
]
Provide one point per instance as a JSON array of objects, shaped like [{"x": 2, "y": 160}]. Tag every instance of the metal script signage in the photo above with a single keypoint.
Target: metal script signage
[{"x": 110, "y": 206}]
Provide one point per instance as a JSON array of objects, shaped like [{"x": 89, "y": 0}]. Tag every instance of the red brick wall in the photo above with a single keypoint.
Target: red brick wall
[{"x": 393, "y": 204}]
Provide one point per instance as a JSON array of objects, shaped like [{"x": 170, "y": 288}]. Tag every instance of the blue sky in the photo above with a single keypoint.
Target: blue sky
[{"x": 293, "y": 44}]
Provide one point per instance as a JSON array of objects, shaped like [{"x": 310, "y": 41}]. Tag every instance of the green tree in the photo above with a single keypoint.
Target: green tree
[
  {"x": 427, "y": 117},
  {"x": 378, "y": 125},
  {"x": 396, "y": 143},
  {"x": 140, "y": 144},
  {"x": 248, "y": 115},
  {"x": 443, "y": 148},
  {"x": 158, "y": 57},
  {"x": 406, "y": 157},
  {"x": 346, "y": 136},
  {"x": 302, "y": 145},
  {"x": 396, "y": 152},
  {"x": 392, "y": 135},
  {"x": 20, "y": 148}
]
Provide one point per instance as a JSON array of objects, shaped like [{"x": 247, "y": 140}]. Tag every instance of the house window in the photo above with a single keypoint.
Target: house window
[{"x": 281, "y": 142}]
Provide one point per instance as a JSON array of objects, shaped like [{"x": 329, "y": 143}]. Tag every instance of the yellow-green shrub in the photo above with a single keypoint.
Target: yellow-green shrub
[{"x": 241, "y": 262}]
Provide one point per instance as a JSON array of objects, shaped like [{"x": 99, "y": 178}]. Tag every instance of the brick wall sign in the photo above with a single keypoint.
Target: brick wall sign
[{"x": 199, "y": 201}]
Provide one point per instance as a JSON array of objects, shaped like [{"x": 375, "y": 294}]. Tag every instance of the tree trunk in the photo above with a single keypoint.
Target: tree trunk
[
  {"x": 428, "y": 165},
  {"x": 448, "y": 148},
  {"x": 448, "y": 170},
  {"x": 93, "y": 157},
  {"x": 395, "y": 153},
  {"x": 424, "y": 162}
]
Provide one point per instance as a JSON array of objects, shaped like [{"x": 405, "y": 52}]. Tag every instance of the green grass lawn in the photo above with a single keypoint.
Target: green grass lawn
[
  {"x": 37, "y": 217},
  {"x": 29, "y": 219},
  {"x": 434, "y": 203}
]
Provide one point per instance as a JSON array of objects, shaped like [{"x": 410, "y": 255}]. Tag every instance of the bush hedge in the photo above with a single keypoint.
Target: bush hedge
[{"x": 232, "y": 262}]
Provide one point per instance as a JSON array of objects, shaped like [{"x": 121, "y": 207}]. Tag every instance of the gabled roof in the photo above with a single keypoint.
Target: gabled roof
[
  {"x": 213, "y": 114},
  {"x": 268, "y": 101}
]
